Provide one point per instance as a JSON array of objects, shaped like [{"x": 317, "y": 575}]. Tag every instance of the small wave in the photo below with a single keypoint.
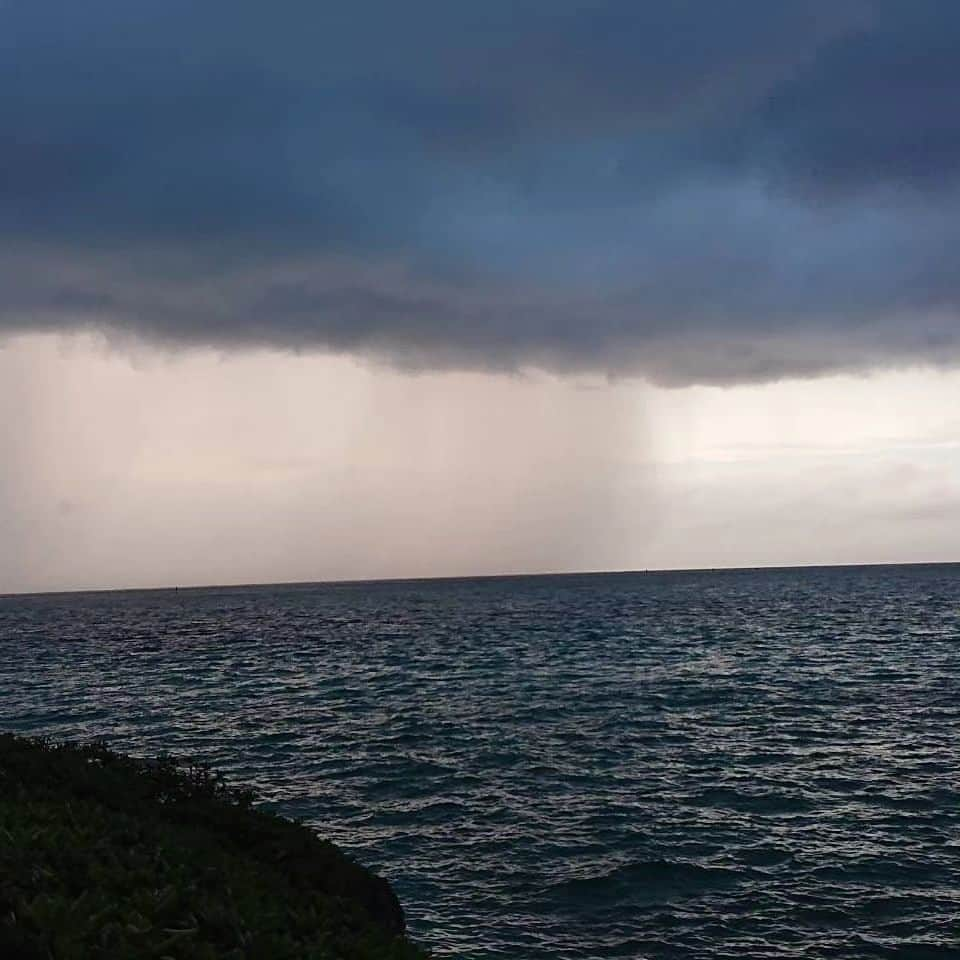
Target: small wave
[
  {"x": 650, "y": 881},
  {"x": 770, "y": 802}
]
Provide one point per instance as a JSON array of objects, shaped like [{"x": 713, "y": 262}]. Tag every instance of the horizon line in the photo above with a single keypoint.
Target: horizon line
[{"x": 359, "y": 581}]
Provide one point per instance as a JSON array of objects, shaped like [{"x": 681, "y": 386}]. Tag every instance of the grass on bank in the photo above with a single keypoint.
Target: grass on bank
[{"x": 105, "y": 856}]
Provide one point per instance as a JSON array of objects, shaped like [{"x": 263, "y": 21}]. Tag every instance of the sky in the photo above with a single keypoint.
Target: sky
[{"x": 308, "y": 291}]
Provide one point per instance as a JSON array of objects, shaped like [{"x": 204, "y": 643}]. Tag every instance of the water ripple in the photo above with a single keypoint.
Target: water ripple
[{"x": 741, "y": 764}]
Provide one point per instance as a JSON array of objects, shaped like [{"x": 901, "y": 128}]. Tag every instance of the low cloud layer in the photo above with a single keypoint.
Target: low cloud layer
[{"x": 691, "y": 192}]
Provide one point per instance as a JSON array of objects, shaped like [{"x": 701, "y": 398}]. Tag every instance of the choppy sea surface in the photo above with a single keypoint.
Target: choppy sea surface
[{"x": 665, "y": 765}]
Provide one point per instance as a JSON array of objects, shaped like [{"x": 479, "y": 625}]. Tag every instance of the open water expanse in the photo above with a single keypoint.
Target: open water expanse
[{"x": 665, "y": 765}]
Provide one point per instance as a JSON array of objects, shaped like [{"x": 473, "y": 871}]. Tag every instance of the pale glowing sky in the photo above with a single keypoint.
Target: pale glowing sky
[{"x": 127, "y": 466}]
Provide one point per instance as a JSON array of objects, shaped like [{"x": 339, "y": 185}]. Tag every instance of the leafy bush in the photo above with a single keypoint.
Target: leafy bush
[{"x": 105, "y": 856}]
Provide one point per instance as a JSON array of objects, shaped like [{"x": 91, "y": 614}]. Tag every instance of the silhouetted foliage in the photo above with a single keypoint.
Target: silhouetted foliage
[{"x": 107, "y": 856}]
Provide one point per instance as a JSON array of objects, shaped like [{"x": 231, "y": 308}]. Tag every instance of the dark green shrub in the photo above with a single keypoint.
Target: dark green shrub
[{"x": 106, "y": 856}]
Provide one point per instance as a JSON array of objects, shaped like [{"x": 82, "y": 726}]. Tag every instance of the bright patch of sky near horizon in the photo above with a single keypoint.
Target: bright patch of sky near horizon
[{"x": 132, "y": 467}]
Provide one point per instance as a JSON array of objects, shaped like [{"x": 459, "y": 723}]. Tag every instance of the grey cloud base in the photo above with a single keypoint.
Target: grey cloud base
[
  {"x": 715, "y": 193},
  {"x": 389, "y": 314}
]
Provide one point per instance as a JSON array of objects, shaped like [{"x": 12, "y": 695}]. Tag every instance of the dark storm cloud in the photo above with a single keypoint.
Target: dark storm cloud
[{"x": 690, "y": 191}]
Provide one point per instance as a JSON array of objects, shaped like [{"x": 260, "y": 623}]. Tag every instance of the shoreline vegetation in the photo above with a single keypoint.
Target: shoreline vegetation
[{"x": 106, "y": 856}]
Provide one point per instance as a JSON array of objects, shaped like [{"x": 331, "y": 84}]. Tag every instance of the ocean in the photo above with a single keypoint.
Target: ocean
[{"x": 724, "y": 764}]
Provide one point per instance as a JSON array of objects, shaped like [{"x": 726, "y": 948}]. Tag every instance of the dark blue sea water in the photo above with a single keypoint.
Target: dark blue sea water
[{"x": 691, "y": 765}]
